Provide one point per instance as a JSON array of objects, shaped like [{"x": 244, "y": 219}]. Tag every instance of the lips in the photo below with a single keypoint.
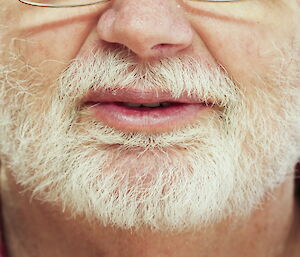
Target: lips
[{"x": 141, "y": 111}]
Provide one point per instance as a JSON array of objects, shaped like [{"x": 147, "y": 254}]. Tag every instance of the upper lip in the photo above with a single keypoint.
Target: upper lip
[{"x": 138, "y": 96}]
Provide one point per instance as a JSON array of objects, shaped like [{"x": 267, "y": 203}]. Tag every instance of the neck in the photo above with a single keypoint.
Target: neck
[{"x": 33, "y": 228}]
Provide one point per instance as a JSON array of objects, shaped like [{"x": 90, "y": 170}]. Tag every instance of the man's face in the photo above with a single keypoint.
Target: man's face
[{"x": 178, "y": 167}]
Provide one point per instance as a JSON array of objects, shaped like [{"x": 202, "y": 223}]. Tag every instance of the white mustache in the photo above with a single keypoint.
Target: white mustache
[{"x": 112, "y": 70}]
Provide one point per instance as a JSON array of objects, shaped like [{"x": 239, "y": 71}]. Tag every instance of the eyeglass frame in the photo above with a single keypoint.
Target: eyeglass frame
[{"x": 28, "y": 2}]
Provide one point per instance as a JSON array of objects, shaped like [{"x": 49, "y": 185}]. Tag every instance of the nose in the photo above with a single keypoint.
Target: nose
[{"x": 149, "y": 28}]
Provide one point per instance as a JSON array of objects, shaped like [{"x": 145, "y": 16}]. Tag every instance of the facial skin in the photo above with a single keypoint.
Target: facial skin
[{"x": 202, "y": 182}]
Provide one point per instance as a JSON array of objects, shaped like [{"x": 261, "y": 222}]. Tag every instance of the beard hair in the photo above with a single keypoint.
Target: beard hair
[{"x": 221, "y": 166}]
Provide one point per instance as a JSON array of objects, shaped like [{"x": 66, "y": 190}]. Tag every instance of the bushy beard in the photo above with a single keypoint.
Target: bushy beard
[{"x": 220, "y": 166}]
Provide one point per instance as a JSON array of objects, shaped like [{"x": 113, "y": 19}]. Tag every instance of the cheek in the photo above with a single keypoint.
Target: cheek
[
  {"x": 50, "y": 49},
  {"x": 245, "y": 51},
  {"x": 59, "y": 43},
  {"x": 241, "y": 53}
]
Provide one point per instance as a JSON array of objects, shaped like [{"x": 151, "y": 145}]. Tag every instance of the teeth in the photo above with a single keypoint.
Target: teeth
[
  {"x": 132, "y": 104},
  {"x": 165, "y": 104},
  {"x": 151, "y": 105}
]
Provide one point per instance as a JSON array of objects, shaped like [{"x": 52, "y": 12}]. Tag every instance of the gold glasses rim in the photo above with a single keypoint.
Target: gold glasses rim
[{"x": 94, "y": 2}]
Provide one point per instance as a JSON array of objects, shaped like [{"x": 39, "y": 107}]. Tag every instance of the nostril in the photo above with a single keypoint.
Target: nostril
[
  {"x": 159, "y": 46},
  {"x": 165, "y": 49}
]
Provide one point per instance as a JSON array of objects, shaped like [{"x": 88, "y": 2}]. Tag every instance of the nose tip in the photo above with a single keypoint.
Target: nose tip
[{"x": 150, "y": 29}]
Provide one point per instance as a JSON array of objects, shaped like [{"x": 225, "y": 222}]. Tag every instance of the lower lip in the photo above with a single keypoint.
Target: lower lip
[{"x": 147, "y": 120}]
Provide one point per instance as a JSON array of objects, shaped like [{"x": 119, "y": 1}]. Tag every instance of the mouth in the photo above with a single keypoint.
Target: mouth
[{"x": 146, "y": 112}]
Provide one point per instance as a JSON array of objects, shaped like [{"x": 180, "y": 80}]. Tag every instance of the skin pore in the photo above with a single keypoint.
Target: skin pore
[{"x": 254, "y": 41}]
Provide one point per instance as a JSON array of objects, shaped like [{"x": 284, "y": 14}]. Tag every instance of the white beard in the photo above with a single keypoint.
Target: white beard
[{"x": 221, "y": 166}]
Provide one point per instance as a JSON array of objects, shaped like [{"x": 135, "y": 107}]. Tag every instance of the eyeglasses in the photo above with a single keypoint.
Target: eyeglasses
[{"x": 78, "y": 3}]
